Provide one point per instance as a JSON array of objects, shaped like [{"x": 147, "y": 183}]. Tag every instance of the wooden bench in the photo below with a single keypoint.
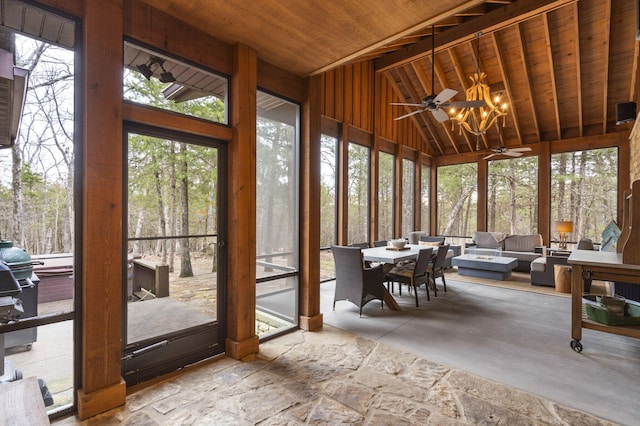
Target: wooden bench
[
  {"x": 150, "y": 277},
  {"x": 21, "y": 403}
]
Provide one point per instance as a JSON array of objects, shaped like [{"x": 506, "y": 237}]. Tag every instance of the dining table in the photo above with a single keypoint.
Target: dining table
[{"x": 391, "y": 255}]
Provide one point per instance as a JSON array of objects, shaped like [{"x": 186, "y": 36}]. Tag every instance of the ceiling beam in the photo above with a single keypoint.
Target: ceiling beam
[
  {"x": 605, "y": 77},
  {"x": 552, "y": 76},
  {"x": 421, "y": 120},
  {"x": 525, "y": 71},
  {"x": 445, "y": 15},
  {"x": 576, "y": 35},
  {"x": 492, "y": 21},
  {"x": 513, "y": 112},
  {"x": 443, "y": 83}
]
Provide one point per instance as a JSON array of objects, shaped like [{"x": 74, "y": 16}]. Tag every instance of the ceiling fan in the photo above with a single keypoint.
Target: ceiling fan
[
  {"x": 434, "y": 103},
  {"x": 510, "y": 152}
]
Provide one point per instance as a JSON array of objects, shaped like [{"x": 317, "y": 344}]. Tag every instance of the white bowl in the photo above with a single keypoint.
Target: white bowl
[{"x": 398, "y": 243}]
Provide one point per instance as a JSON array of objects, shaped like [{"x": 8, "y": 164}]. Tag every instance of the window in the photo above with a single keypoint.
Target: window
[
  {"x": 457, "y": 199},
  {"x": 408, "y": 196},
  {"x": 584, "y": 190},
  {"x": 38, "y": 200},
  {"x": 386, "y": 180},
  {"x": 512, "y": 199},
  {"x": 425, "y": 189},
  {"x": 358, "y": 193},
  {"x": 328, "y": 204},
  {"x": 156, "y": 80},
  {"x": 277, "y": 222}
]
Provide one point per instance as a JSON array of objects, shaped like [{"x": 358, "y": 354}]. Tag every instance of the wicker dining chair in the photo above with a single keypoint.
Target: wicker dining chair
[
  {"x": 354, "y": 282},
  {"x": 436, "y": 268},
  {"x": 413, "y": 274}
]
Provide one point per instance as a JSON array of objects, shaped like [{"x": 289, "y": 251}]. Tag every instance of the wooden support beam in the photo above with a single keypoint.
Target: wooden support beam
[
  {"x": 241, "y": 338},
  {"x": 500, "y": 18},
  {"x": 102, "y": 387},
  {"x": 309, "y": 303}
]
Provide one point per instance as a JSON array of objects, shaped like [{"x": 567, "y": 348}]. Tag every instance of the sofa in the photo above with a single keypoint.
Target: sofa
[{"x": 525, "y": 248}]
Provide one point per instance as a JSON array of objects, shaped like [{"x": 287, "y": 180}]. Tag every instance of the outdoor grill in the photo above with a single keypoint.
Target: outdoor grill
[{"x": 18, "y": 292}]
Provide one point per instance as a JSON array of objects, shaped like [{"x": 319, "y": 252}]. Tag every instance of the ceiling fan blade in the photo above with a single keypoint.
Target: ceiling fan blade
[
  {"x": 524, "y": 149},
  {"x": 489, "y": 156},
  {"x": 440, "y": 115},
  {"x": 467, "y": 104},
  {"x": 445, "y": 95},
  {"x": 512, "y": 153},
  {"x": 402, "y": 103},
  {"x": 410, "y": 114}
]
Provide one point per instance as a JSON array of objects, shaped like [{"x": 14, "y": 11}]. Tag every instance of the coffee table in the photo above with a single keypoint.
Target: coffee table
[{"x": 485, "y": 266}]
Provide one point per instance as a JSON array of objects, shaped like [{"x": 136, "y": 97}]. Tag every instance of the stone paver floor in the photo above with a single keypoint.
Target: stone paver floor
[{"x": 332, "y": 377}]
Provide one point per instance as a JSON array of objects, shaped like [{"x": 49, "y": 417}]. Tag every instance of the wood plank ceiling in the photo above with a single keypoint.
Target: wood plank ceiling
[{"x": 561, "y": 65}]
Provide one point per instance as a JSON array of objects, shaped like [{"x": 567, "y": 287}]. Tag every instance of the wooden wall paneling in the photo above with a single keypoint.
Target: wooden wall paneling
[
  {"x": 102, "y": 387},
  {"x": 309, "y": 303},
  {"x": 241, "y": 281},
  {"x": 328, "y": 92},
  {"x": 339, "y": 95},
  {"x": 348, "y": 95},
  {"x": 151, "y": 26},
  {"x": 281, "y": 82},
  {"x": 356, "y": 90},
  {"x": 544, "y": 192}
]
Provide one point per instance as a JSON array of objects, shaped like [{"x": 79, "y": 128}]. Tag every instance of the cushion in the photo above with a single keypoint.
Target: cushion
[
  {"x": 523, "y": 242},
  {"x": 489, "y": 239},
  {"x": 539, "y": 264},
  {"x": 429, "y": 243}
]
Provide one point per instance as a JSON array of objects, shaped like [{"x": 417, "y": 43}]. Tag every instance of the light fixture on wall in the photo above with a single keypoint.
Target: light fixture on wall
[
  {"x": 147, "y": 70},
  {"x": 563, "y": 228},
  {"x": 478, "y": 122}
]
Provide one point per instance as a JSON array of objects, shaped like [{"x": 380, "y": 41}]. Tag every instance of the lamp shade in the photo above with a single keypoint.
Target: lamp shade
[{"x": 563, "y": 226}]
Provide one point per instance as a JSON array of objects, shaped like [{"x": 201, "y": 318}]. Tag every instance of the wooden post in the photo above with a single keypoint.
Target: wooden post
[
  {"x": 310, "y": 318},
  {"x": 241, "y": 338},
  {"x": 102, "y": 386}
]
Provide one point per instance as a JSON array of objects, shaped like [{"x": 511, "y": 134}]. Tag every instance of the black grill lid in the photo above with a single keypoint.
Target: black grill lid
[{"x": 9, "y": 286}]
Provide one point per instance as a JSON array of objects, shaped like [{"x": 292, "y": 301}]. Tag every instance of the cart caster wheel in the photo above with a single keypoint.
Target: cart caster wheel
[
  {"x": 18, "y": 374},
  {"x": 576, "y": 345}
]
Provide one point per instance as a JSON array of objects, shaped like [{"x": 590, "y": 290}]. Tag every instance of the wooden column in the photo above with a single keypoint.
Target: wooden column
[
  {"x": 310, "y": 317},
  {"x": 241, "y": 283},
  {"x": 102, "y": 386}
]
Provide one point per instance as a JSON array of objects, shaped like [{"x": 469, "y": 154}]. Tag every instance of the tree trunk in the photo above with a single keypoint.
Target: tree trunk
[
  {"x": 457, "y": 208},
  {"x": 162, "y": 225},
  {"x": 18, "y": 208},
  {"x": 173, "y": 207},
  {"x": 185, "y": 256}
]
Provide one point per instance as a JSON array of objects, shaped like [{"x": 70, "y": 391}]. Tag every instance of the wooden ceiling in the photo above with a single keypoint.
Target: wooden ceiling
[{"x": 561, "y": 65}]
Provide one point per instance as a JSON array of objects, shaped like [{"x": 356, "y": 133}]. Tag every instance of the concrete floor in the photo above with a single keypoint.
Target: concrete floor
[{"x": 514, "y": 337}]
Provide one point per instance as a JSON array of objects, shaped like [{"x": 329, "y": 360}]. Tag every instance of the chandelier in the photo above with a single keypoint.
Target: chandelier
[{"x": 478, "y": 122}]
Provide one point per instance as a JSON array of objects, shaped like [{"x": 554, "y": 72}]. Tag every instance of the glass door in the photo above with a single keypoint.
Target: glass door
[{"x": 174, "y": 285}]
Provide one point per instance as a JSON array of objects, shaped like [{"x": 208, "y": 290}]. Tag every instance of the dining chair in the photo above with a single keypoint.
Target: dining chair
[
  {"x": 413, "y": 274},
  {"x": 380, "y": 243},
  {"x": 354, "y": 282},
  {"x": 359, "y": 245},
  {"x": 436, "y": 268}
]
